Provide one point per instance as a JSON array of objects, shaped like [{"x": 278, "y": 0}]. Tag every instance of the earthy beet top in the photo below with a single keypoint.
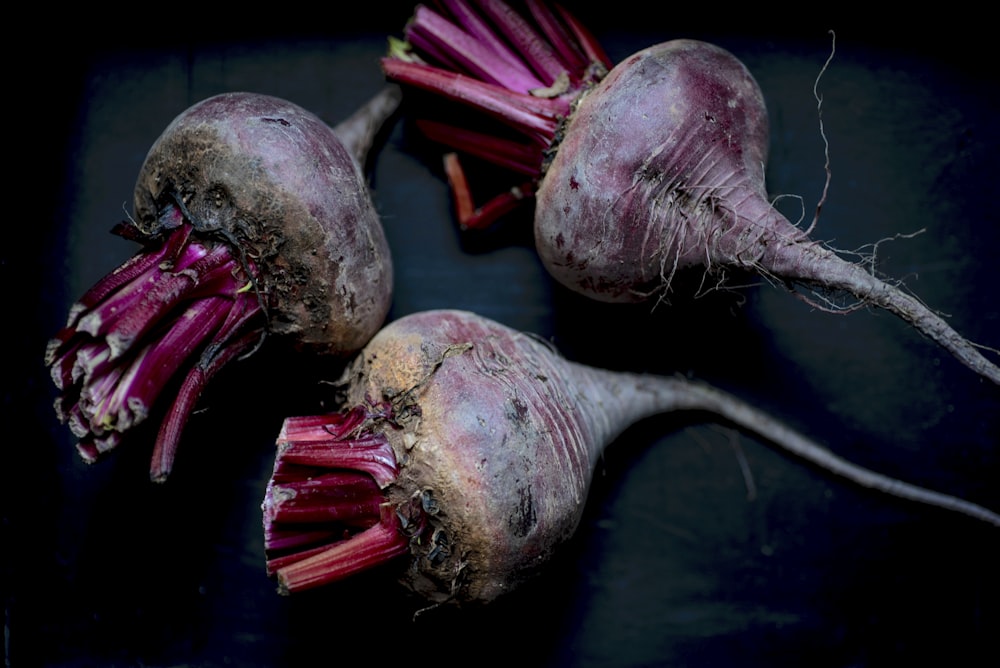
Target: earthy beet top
[{"x": 273, "y": 178}]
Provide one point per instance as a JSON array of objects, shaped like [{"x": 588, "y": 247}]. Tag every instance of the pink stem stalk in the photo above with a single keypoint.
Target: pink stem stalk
[
  {"x": 375, "y": 545},
  {"x": 325, "y": 514},
  {"x": 491, "y": 78},
  {"x": 177, "y": 309},
  {"x": 233, "y": 340}
]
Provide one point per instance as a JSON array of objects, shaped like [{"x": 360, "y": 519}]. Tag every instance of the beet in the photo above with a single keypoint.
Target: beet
[
  {"x": 255, "y": 219},
  {"x": 466, "y": 450},
  {"x": 636, "y": 171}
]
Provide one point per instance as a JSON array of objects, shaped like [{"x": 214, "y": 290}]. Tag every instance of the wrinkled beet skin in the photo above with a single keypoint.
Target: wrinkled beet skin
[
  {"x": 502, "y": 434},
  {"x": 632, "y": 165},
  {"x": 276, "y": 177}
]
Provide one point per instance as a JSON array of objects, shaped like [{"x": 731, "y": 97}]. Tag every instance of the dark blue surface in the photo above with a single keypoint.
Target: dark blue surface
[{"x": 673, "y": 564}]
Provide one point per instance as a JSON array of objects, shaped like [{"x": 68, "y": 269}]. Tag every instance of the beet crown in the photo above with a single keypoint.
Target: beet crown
[{"x": 274, "y": 179}]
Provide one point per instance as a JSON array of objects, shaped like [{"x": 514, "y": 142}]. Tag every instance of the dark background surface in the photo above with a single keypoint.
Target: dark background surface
[{"x": 673, "y": 564}]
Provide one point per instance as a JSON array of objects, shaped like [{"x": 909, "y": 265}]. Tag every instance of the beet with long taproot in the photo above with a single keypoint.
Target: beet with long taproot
[{"x": 465, "y": 453}]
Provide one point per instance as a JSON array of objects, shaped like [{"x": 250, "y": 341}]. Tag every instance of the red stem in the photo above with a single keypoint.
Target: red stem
[
  {"x": 140, "y": 327},
  {"x": 481, "y": 58},
  {"x": 229, "y": 344},
  {"x": 325, "y": 513},
  {"x": 378, "y": 544}
]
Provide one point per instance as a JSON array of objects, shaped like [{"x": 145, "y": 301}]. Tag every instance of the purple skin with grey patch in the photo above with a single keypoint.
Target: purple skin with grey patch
[{"x": 275, "y": 178}]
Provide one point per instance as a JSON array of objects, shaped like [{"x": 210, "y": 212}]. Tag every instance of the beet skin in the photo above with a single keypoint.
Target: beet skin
[{"x": 276, "y": 179}]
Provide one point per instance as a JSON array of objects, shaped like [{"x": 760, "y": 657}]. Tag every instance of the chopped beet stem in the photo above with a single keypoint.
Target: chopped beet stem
[
  {"x": 297, "y": 541},
  {"x": 439, "y": 58},
  {"x": 471, "y": 217},
  {"x": 372, "y": 547},
  {"x": 321, "y": 428},
  {"x": 470, "y": 53},
  {"x": 465, "y": 209},
  {"x": 338, "y": 440},
  {"x": 474, "y": 23},
  {"x": 570, "y": 53},
  {"x": 375, "y": 459},
  {"x": 160, "y": 360},
  {"x": 133, "y": 267},
  {"x": 191, "y": 389},
  {"x": 533, "y": 116},
  {"x": 527, "y": 42},
  {"x": 515, "y": 156},
  {"x": 344, "y": 496}
]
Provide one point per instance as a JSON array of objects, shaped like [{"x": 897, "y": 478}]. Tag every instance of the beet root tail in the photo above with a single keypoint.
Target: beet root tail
[
  {"x": 697, "y": 396},
  {"x": 827, "y": 271}
]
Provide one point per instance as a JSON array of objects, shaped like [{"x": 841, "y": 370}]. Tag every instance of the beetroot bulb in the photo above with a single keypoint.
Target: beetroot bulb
[
  {"x": 465, "y": 452},
  {"x": 636, "y": 171},
  {"x": 255, "y": 220}
]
